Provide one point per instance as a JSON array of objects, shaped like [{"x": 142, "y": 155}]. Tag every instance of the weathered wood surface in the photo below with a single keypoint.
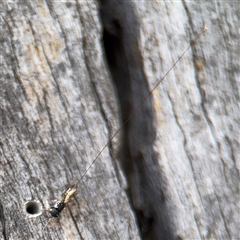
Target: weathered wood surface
[
  {"x": 197, "y": 111},
  {"x": 59, "y": 108}
]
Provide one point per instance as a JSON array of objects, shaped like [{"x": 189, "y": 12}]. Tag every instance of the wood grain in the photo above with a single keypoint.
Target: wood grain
[{"x": 71, "y": 72}]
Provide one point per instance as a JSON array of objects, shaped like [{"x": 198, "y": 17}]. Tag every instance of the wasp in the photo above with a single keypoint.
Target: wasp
[
  {"x": 69, "y": 193},
  {"x": 61, "y": 203}
]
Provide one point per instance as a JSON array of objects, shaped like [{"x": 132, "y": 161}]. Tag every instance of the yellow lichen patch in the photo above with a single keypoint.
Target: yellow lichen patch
[
  {"x": 199, "y": 65},
  {"x": 36, "y": 61},
  {"x": 50, "y": 41},
  {"x": 36, "y": 50},
  {"x": 42, "y": 9},
  {"x": 54, "y": 48},
  {"x": 38, "y": 56}
]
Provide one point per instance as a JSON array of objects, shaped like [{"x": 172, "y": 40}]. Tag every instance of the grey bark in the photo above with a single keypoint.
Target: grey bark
[
  {"x": 179, "y": 152},
  {"x": 57, "y": 112}
]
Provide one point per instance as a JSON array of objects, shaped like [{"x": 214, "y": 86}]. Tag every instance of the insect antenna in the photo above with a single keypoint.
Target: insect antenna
[
  {"x": 45, "y": 225},
  {"x": 141, "y": 103},
  {"x": 70, "y": 191}
]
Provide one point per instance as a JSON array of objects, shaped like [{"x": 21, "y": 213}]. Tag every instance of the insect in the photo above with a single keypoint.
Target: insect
[
  {"x": 60, "y": 204},
  {"x": 70, "y": 192}
]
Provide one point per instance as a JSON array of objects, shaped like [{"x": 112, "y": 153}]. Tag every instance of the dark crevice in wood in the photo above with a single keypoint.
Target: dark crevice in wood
[
  {"x": 3, "y": 221},
  {"x": 93, "y": 80},
  {"x": 138, "y": 159}
]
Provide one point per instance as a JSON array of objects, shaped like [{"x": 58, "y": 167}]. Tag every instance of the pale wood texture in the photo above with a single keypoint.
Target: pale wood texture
[
  {"x": 59, "y": 108},
  {"x": 197, "y": 112}
]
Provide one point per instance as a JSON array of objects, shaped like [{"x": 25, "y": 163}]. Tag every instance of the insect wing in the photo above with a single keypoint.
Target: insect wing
[{"x": 68, "y": 194}]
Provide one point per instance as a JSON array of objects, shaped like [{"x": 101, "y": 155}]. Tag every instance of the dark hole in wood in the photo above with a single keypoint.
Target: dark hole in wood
[{"x": 33, "y": 208}]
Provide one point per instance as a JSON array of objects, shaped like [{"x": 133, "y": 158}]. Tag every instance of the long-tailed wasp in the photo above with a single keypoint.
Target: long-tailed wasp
[
  {"x": 61, "y": 203},
  {"x": 69, "y": 193}
]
